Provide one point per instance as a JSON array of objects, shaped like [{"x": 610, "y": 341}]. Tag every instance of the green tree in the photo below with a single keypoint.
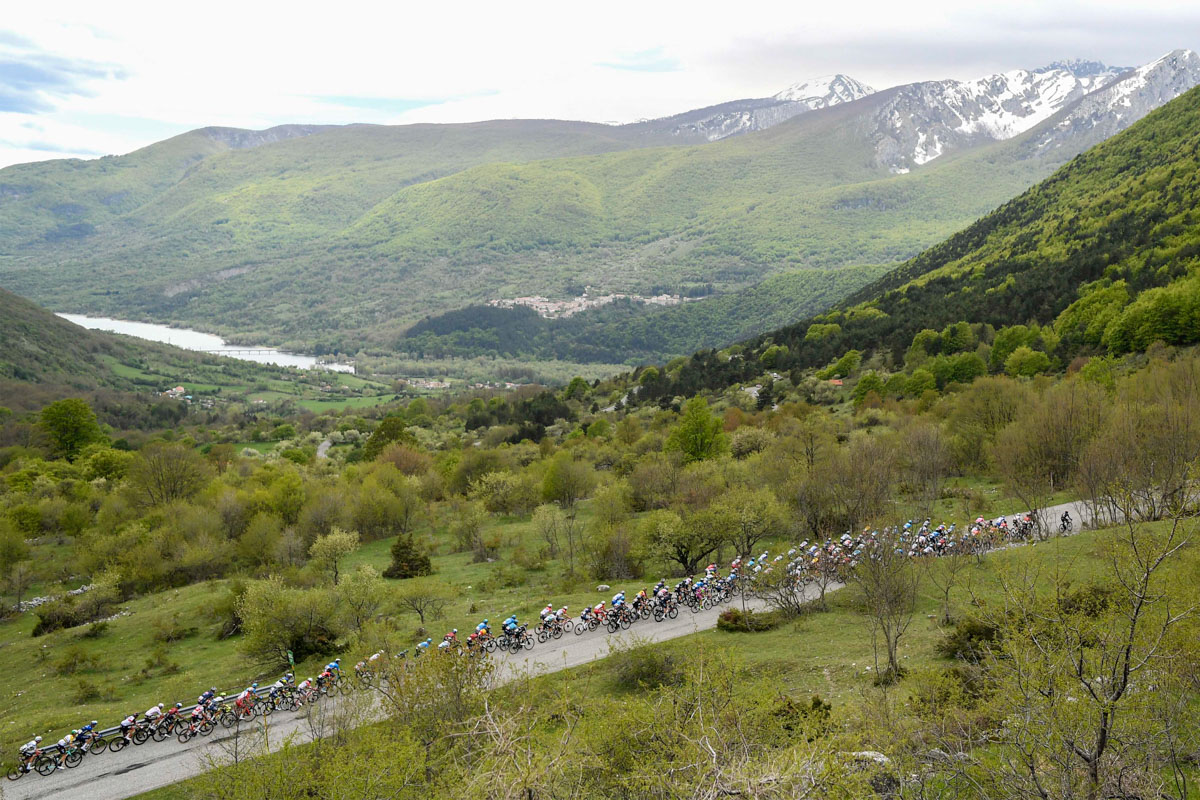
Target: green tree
[
  {"x": 162, "y": 473},
  {"x": 409, "y": 560},
  {"x": 71, "y": 425},
  {"x": 328, "y": 551},
  {"x": 869, "y": 382},
  {"x": 748, "y": 516},
  {"x": 1025, "y": 362},
  {"x": 567, "y": 481},
  {"x": 699, "y": 434},
  {"x": 391, "y": 429}
]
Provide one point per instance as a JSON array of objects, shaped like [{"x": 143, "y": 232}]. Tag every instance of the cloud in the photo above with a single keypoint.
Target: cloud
[
  {"x": 652, "y": 60},
  {"x": 31, "y": 80},
  {"x": 391, "y": 105}
]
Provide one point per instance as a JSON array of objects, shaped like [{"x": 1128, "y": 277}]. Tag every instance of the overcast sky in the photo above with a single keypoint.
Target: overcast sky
[{"x": 87, "y": 79}]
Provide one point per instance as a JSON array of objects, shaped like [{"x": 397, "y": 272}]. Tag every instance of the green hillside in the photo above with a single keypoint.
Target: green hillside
[
  {"x": 36, "y": 346},
  {"x": 348, "y": 236},
  {"x": 626, "y": 332},
  {"x": 1102, "y": 258}
]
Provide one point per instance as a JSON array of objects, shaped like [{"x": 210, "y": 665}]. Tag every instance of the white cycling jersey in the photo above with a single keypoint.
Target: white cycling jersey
[{"x": 28, "y": 748}]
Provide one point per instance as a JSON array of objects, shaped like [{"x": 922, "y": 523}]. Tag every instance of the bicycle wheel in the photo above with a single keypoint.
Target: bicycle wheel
[
  {"x": 158, "y": 733},
  {"x": 673, "y": 612},
  {"x": 227, "y": 719},
  {"x": 568, "y": 626},
  {"x": 140, "y": 736},
  {"x": 528, "y": 642},
  {"x": 185, "y": 737},
  {"x": 558, "y": 632},
  {"x": 98, "y": 746},
  {"x": 118, "y": 744},
  {"x": 44, "y": 766},
  {"x": 14, "y": 774},
  {"x": 206, "y": 728},
  {"x": 73, "y": 759},
  {"x": 265, "y": 709}
]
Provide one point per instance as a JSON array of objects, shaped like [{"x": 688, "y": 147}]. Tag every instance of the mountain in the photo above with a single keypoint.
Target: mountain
[
  {"x": 745, "y": 116},
  {"x": 1105, "y": 254},
  {"x": 37, "y": 346},
  {"x": 345, "y": 237}
]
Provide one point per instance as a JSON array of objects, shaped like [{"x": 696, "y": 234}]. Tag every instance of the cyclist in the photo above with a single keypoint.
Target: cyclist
[
  {"x": 276, "y": 688},
  {"x": 154, "y": 712},
  {"x": 306, "y": 689},
  {"x": 444, "y": 645},
  {"x": 561, "y": 615},
  {"x": 127, "y": 726},
  {"x": 586, "y": 614},
  {"x": 334, "y": 668},
  {"x": 245, "y": 699},
  {"x": 64, "y": 747},
  {"x": 451, "y": 637},
  {"x": 199, "y": 715},
  {"x": 30, "y": 751},
  {"x": 547, "y": 612},
  {"x": 423, "y": 646},
  {"x": 510, "y": 625},
  {"x": 618, "y": 599},
  {"x": 483, "y": 628},
  {"x": 206, "y": 696},
  {"x": 88, "y": 734},
  {"x": 1066, "y": 521}
]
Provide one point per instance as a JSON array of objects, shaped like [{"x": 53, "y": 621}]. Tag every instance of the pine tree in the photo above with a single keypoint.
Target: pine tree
[{"x": 408, "y": 559}]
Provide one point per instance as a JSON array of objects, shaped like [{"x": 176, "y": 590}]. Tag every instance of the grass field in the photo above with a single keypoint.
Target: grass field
[{"x": 830, "y": 653}]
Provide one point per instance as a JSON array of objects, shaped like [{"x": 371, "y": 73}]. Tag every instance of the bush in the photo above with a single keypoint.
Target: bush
[
  {"x": 85, "y": 692},
  {"x": 73, "y": 660},
  {"x": 735, "y": 620},
  {"x": 968, "y": 640},
  {"x": 171, "y": 630},
  {"x": 646, "y": 667},
  {"x": 810, "y": 719},
  {"x": 408, "y": 559},
  {"x": 95, "y": 630},
  {"x": 1091, "y": 600}
]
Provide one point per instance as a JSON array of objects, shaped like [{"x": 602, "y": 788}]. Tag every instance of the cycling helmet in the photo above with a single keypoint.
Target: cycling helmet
[
  {"x": 485, "y": 622},
  {"x": 76, "y": 732},
  {"x": 94, "y": 722},
  {"x": 336, "y": 661},
  {"x": 160, "y": 705},
  {"x": 37, "y": 738},
  {"x": 454, "y": 631},
  {"x": 179, "y": 705}
]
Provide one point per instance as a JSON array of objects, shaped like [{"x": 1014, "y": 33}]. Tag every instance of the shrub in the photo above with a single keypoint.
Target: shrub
[
  {"x": 95, "y": 630},
  {"x": 74, "y": 659},
  {"x": 646, "y": 667},
  {"x": 171, "y": 630},
  {"x": 409, "y": 560},
  {"x": 735, "y": 620},
  {"x": 85, "y": 692},
  {"x": 968, "y": 639}
]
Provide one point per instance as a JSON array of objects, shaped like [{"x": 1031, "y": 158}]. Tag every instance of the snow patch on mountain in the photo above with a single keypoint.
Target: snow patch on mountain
[{"x": 823, "y": 92}]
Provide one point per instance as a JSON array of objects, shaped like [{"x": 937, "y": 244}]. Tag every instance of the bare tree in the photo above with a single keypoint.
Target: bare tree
[
  {"x": 925, "y": 459},
  {"x": 888, "y": 580},
  {"x": 425, "y": 597}
]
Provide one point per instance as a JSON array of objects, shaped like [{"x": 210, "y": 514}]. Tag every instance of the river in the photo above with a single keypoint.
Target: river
[{"x": 206, "y": 342}]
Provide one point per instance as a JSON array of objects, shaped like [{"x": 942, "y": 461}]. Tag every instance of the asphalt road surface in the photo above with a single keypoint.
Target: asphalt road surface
[
  {"x": 134, "y": 770},
  {"x": 155, "y": 764}
]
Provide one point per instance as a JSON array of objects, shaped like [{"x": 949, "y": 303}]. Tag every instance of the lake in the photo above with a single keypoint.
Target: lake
[{"x": 206, "y": 342}]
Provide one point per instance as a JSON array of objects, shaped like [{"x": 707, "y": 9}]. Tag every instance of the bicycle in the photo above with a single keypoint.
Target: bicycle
[{"x": 42, "y": 764}]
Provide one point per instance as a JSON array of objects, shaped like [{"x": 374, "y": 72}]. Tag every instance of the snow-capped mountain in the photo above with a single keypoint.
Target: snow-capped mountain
[
  {"x": 921, "y": 121},
  {"x": 824, "y": 92},
  {"x": 1123, "y": 102},
  {"x": 744, "y": 116},
  {"x": 911, "y": 125}
]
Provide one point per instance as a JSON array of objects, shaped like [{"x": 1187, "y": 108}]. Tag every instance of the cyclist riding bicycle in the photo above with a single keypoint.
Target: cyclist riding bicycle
[
  {"x": 154, "y": 712},
  {"x": 30, "y": 751},
  {"x": 561, "y": 615},
  {"x": 127, "y": 726},
  {"x": 87, "y": 734},
  {"x": 246, "y": 698},
  {"x": 483, "y": 628},
  {"x": 64, "y": 747},
  {"x": 335, "y": 667}
]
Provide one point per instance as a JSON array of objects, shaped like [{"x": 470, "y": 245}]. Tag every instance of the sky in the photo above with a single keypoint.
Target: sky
[{"x": 85, "y": 79}]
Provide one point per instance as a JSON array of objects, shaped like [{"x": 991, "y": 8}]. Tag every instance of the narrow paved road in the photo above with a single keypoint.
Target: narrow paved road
[
  {"x": 153, "y": 765},
  {"x": 323, "y": 449}
]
